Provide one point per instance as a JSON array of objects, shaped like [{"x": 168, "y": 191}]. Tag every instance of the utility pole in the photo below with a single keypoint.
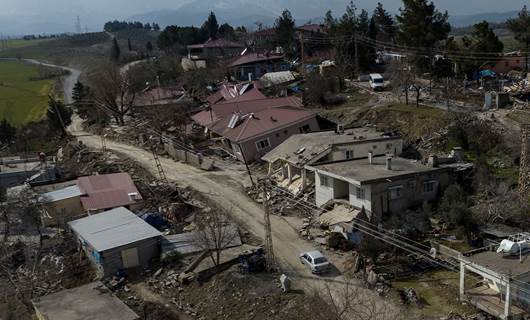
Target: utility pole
[
  {"x": 246, "y": 164},
  {"x": 524, "y": 170},
  {"x": 103, "y": 142},
  {"x": 269, "y": 250},
  {"x": 356, "y": 49},
  {"x": 447, "y": 93},
  {"x": 302, "y": 52}
]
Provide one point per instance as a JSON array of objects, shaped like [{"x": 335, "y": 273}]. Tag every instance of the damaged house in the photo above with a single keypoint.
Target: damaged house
[
  {"x": 288, "y": 160},
  {"x": 250, "y": 125},
  {"x": 89, "y": 195},
  {"x": 380, "y": 185},
  {"x": 503, "y": 270}
]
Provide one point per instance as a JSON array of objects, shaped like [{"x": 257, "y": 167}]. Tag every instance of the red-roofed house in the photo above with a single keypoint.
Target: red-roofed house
[
  {"x": 89, "y": 195},
  {"x": 108, "y": 191},
  {"x": 251, "y": 124}
]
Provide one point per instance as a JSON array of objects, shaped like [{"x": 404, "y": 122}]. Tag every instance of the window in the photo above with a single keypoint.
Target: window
[
  {"x": 324, "y": 180},
  {"x": 263, "y": 144},
  {"x": 305, "y": 129},
  {"x": 395, "y": 192},
  {"x": 359, "y": 192},
  {"x": 429, "y": 186},
  {"x": 348, "y": 154}
]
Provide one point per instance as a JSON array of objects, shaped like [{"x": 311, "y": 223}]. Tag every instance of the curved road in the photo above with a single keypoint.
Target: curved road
[{"x": 225, "y": 188}]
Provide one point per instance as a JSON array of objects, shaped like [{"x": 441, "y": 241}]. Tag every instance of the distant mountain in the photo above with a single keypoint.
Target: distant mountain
[
  {"x": 468, "y": 20},
  {"x": 238, "y": 12}
]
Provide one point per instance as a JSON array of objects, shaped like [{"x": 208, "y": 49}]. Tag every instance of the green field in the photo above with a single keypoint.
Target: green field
[
  {"x": 19, "y": 43},
  {"x": 22, "y": 100}
]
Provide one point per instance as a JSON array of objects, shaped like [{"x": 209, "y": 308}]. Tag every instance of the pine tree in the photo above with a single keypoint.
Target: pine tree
[
  {"x": 115, "y": 51},
  {"x": 129, "y": 45},
  {"x": 149, "y": 46},
  {"x": 59, "y": 117},
  {"x": 7, "y": 131},
  {"x": 521, "y": 28},
  {"x": 285, "y": 30},
  {"x": 385, "y": 24},
  {"x": 422, "y": 26},
  {"x": 211, "y": 26}
]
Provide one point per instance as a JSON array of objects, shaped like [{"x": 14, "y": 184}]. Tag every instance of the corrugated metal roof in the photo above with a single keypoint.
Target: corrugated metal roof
[
  {"x": 112, "y": 229},
  {"x": 57, "y": 195},
  {"x": 107, "y": 191},
  {"x": 186, "y": 243}
]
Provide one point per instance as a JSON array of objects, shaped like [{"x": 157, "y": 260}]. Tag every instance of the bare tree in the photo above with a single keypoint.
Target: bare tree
[
  {"x": 115, "y": 91},
  {"x": 215, "y": 233},
  {"x": 401, "y": 79},
  {"x": 347, "y": 301},
  {"x": 498, "y": 203}
]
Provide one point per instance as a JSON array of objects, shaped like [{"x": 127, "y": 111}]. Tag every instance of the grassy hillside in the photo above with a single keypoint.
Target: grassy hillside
[
  {"x": 20, "y": 43},
  {"x": 84, "y": 51},
  {"x": 22, "y": 99}
]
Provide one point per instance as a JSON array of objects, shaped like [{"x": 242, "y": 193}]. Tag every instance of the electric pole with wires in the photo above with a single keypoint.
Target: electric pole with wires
[{"x": 269, "y": 249}]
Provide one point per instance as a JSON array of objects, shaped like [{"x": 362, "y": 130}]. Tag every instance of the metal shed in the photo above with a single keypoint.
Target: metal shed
[{"x": 117, "y": 240}]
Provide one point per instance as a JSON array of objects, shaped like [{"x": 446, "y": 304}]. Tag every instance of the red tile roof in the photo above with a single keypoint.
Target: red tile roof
[
  {"x": 107, "y": 191},
  {"x": 261, "y": 122},
  {"x": 255, "y": 58},
  {"x": 225, "y": 109}
]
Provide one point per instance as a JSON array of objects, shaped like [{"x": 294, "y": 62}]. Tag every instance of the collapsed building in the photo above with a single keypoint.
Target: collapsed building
[{"x": 301, "y": 150}]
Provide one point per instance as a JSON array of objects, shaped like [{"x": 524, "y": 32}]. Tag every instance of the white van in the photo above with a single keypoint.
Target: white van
[{"x": 377, "y": 82}]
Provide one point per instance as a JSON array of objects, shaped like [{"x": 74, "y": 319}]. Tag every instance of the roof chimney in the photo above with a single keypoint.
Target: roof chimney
[
  {"x": 370, "y": 157},
  {"x": 389, "y": 162}
]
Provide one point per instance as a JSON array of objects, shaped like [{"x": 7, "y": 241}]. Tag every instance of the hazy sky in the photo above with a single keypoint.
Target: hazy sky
[
  {"x": 125, "y": 8},
  {"x": 92, "y": 12}
]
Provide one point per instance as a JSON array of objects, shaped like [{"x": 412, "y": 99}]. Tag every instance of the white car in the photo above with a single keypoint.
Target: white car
[
  {"x": 377, "y": 83},
  {"x": 316, "y": 261}
]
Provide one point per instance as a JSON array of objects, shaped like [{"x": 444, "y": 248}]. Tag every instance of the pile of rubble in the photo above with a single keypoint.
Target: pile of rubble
[{"x": 280, "y": 202}]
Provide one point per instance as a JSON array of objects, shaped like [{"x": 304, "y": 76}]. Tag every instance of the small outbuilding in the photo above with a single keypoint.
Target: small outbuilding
[
  {"x": 117, "y": 240},
  {"x": 88, "y": 302}
]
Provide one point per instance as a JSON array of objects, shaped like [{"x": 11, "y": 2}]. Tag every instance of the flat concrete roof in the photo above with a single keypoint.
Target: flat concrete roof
[
  {"x": 113, "y": 228},
  {"x": 92, "y": 301},
  {"x": 498, "y": 263},
  {"x": 361, "y": 171},
  {"x": 300, "y": 149}
]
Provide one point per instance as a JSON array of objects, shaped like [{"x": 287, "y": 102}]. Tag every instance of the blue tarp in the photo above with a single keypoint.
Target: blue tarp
[
  {"x": 487, "y": 74},
  {"x": 156, "y": 220}
]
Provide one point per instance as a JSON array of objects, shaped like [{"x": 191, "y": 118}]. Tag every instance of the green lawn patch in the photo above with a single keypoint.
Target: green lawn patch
[
  {"x": 22, "y": 100},
  {"x": 438, "y": 291}
]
